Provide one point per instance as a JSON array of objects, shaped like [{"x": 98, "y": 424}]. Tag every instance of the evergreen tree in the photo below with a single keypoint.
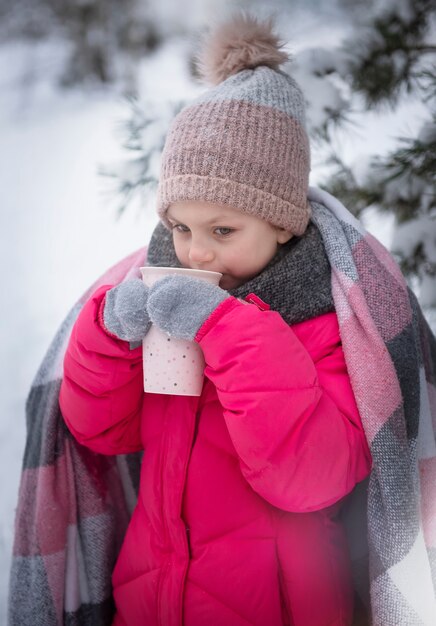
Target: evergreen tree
[{"x": 391, "y": 57}]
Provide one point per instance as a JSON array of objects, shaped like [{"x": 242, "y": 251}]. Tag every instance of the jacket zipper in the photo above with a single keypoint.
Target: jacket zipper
[{"x": 187, "y": 529}]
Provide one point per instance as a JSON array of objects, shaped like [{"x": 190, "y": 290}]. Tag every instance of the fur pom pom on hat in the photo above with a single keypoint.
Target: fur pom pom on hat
[
  {"x": 244, "y": 43},
  {"x": 242, "y": 143}
]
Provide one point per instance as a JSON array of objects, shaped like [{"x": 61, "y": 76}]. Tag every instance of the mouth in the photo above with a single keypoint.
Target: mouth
[{"x": 226, "y": 281}]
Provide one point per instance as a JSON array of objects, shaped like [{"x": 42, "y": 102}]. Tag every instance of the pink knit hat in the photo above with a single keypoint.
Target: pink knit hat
[{"x": 243, "y": 143}]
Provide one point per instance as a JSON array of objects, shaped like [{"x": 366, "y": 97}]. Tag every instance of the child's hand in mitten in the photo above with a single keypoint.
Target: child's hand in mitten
[
  {"x": 179, "y": 305},
  {"x": 125, "y": 310}
]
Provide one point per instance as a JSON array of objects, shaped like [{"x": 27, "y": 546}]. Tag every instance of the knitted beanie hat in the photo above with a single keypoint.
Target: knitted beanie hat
[{"x": 243, "y": 143}]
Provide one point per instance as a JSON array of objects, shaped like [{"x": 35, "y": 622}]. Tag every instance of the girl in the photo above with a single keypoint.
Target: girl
[
  {"x": 237, "y": 517},
  {"x": 319, "y": 370}
]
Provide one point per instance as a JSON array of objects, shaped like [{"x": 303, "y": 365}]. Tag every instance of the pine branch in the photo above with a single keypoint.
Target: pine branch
[
  {"x": 423, "y": 49},
  {"x": 414, "y": 160},
  {"x": 143, "y": 136},
  {"x": 389, "y": 59},
  {"x": 383, "y": 61},
  {"x": 342, "y": 184}
]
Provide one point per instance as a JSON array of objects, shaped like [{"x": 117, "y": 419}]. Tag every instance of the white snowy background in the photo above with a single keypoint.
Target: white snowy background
[{"x": 58, "y": 226}]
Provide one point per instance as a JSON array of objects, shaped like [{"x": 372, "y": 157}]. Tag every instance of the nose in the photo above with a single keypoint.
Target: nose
[{"x": 199, "y": 253}]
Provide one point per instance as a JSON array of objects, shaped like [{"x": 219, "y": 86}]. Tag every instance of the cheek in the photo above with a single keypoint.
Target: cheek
[
  {"x": 257, "y": 251},
  {"x": 181, "y": 250},
  {"x": 243, "y": 259},
  {"x": 236, "y": 257}
]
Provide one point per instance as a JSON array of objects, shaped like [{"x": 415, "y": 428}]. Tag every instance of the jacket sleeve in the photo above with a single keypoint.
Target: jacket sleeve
[
  {"x": 101, "y": 393},
  {"x": 289, "y": 409}
]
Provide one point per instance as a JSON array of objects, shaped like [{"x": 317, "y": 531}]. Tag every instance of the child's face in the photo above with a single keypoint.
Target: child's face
[{"x": 218, "y": 238}]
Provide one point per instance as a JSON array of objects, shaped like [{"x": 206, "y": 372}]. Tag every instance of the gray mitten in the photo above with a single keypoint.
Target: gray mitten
[
  {"x": 125, "y": 311},
  {"x": 179, "y": 305}
]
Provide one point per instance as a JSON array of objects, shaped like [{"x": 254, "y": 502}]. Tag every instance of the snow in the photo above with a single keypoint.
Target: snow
[
  {"x": 404, "y": 8},
  {"x": 408, "y": 236},
  {"x": 58, "y": 224},
  {"x": 305, "y": 70},
  {"x": 427, "y": 134},
  {"x": 58, "y": 236}
]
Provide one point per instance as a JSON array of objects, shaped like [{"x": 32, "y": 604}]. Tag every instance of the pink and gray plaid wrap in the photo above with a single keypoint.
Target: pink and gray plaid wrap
[{"x": 74, "y": 505}]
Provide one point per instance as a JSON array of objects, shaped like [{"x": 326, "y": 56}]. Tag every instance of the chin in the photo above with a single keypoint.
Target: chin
[{"x": 228, "y": 282}]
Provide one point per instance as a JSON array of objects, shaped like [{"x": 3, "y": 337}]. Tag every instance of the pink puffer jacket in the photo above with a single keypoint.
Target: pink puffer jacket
[{"x": 236, "y": 522}]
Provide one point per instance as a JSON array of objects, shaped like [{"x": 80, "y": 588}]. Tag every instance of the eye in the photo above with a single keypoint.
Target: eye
[
  {"x": 180, "y": 228},
  {"x": 223, "y": 231}
]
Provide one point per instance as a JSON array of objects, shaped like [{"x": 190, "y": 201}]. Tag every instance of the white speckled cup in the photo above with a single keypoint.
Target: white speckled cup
[{"x": 172, "y": 366}]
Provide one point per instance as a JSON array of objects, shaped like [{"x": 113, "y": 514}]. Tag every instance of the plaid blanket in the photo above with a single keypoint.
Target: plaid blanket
[{"x": 74, "y": 505}]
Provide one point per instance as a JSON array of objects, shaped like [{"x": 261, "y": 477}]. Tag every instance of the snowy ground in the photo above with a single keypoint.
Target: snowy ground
[{"x": 58, "y": 232}]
